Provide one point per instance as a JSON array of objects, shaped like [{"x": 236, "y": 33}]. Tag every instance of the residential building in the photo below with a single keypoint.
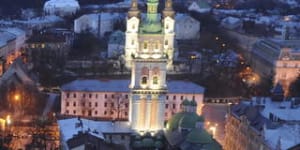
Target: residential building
[
  {"x": 277, "y": 59},
  {"x": 231, "y": 23},
  {"x": 200, "y": 6},
  {"x": 61, "y": 7},
  {"x": 109, "y": 99},
  {"x": 99, "y": 24},
  {"x": 186, "y": 27},
  {"x": 11, "y": 44},
  {"x": 262, "y": 123},
  {"x": 47, "y": 48}
]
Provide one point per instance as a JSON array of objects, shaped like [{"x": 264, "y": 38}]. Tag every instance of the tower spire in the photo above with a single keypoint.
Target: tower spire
[
  {"x": 168, "y": 11},
  {"x": 134, "y": 10}
]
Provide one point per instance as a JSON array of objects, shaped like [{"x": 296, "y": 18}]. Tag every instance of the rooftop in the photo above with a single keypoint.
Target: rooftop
[
  {"x": 175, "y": 86},
  {"x": 71, "y": 127}
]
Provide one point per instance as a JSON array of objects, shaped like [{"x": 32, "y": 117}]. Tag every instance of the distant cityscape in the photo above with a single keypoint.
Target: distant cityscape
[{"x": 150, "y": 75}]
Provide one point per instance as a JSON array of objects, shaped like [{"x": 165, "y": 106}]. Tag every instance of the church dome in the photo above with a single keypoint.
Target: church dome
[{"x": 184, "y": 120}]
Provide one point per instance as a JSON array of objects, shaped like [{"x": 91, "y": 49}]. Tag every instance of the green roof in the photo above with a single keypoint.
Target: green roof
[
  {"x": 185, "y": 102},
  {"x": 203, "y": 4},
  {"x": 147, "y": 142},
  {"x": 199, "y": 136},
  {"x": 184, "y": 119},
  {"x": 189, "y": 120}
]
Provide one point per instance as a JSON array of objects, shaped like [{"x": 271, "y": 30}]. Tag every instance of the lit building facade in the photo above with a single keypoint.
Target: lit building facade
[
  {"x": 149, "y": 34},
  {"x": 109, "y": 100},
  {"x": 278, "y": 59}
]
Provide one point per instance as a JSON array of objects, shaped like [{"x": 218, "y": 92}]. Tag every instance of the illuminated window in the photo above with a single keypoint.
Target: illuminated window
[
  {"x": 166, "y": 42},
  {"x": 145, "y": 45},
  {"x": 43, "y": 45},
  {"x": 155, "y": 80},
  {"x": 156, "y": 45},
  {"x": 144, "y": 80}
]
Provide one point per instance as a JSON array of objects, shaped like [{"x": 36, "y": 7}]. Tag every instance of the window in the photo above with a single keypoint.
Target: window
[
  {"x": 112, "y": 96},
  {"x": 74, "y": 112},
  {"x": 83, "y": 95},
  {"x": 156, "y": 46},
  {"x": 43, "y": 45},
  {"x": 167, "y": 105},
  {"x": 167, "y": 97},
  {"x": 68, "y": 95},
  {"x": 90, "y": 104},
  {"x": 174, "y": 97},
  {"x": 96, "y": 104},
  {"x": 67, "y": 111},
  {"x": 67, "y": 104},
  {"x": 132, "y": 42},
  {"x": 174, "y": 106},
  {"x": 166, "y": 114},
  {"x": 193, "y": 96},
  {"x": 83, "y": 112},
  {"x": 74, "y": 95},
  {"x": 96, "y": 112},
  {"x": 105, "y": 96},
  {"x": 167, "y": 26},
  {"x": 96, "y": 95},
  {"x": 145, "y": 45},
  {"x": 90, "y": 95},
  {"x": 83, "y": 104},
  {"x": 122, "y": 137},
  {"x": 126, "y": 96},
  {"x": 105, "y": 104},
  {"x": 112, "y": 104},
  {"x": 126, "y": 113},
  {"x": 111, "y": 112},
  {"x": 144, "y": 80},
  {"x": 126, "y": 105},
  {"x": 74, "y": 103},
  {"x": 166, "y": 42},
  {"x": 155, "y": 80},
  {"x": 89, "y": 113},
  {"x": 181, "y": 97},
  {"x": 105, "y": 112},
  {"x": 133, "y": 26}
]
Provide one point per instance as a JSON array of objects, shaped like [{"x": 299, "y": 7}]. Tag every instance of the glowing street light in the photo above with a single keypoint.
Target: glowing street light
[
  {"x": 213, "y": 129},
  {"x": 8, "y": 120},
  {"x": 17, "y": 97}
]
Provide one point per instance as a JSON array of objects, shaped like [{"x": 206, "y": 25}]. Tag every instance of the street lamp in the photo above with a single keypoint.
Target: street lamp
[{"x": 17, "y": 97}]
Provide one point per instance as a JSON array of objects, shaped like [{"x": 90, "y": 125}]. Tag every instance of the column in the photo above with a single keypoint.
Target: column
[
  {"x": 148, "y": 112},
  {"x": 161, "y": 112}
]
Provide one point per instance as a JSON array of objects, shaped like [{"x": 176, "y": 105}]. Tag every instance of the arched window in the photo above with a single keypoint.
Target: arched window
[
  {"x": 145, "y": 45},
  {"x": 133, "y": 26},
  {"x": 167, "y": 26},
  {"x": 155, "y": 80},
  {"x": 166, "y": 42},
  {"x": 144, "y": 80}
]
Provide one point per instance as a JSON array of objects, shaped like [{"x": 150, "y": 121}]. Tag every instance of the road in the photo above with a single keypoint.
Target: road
[{"x": 215, "y": 117}]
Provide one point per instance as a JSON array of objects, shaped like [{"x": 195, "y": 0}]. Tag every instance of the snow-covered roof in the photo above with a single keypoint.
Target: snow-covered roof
[
  {"x": 231, "y": 20},
  {"x": 281, "y": 110},
  {"x": 17, "y": 69},
  {"x": 177, "y": 86},
  {"x": 103, "y": 16},
  {"x": 61, "y": 3},
  {"x": 5, "y": 37},
  {"x": 41, "y": 20},
  {"x": 288, "y": 135},
  {"x": 15, "y": 31},
  {"x": 71, "y": 127},
  {"x": 184, "y": 17}
]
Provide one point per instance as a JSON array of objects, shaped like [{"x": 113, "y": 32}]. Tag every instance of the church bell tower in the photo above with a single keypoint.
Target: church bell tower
[{"x": 148, "y": 75}]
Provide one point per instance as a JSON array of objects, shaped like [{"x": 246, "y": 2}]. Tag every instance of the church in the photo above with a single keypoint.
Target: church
[{"x": 149, "y": 50}]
